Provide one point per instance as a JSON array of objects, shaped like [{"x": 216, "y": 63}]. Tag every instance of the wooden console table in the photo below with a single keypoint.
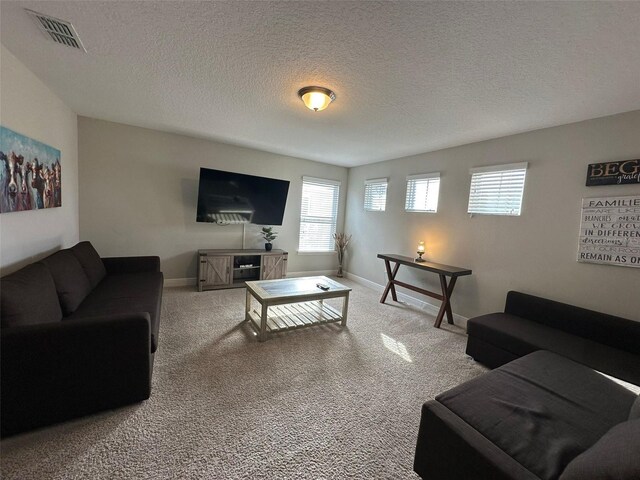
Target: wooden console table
[{"x": 443, "y": 272}]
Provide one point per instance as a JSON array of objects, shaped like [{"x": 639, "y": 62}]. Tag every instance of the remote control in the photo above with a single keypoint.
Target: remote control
[{"x": 322, "y": 286}]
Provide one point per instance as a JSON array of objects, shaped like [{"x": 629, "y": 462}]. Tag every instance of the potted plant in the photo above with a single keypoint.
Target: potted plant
[
  {"x": 269, "y": 235},
  {"x": 341, "y": 240}
]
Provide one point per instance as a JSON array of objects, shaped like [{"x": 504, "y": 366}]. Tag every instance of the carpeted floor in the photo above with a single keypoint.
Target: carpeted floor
[{"x": 317, "y": 403}]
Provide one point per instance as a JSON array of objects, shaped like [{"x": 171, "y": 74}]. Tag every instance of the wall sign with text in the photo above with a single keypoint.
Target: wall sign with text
[
  {"x": 613, "y": 173},
  {"x": 610, "y": 231}
]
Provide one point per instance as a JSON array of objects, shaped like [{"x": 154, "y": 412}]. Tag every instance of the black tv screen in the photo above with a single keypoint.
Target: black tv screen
[{"x": 227, "y": 197}]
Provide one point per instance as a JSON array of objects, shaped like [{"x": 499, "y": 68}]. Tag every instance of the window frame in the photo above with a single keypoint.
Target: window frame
[
  {"x": 422, "y": 176},
  {"x": 498, "y": 169},
  {"x": 369, "y": 184},
  {"x": 336, "y": 184}
]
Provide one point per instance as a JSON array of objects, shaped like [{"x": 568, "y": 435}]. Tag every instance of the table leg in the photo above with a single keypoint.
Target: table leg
[
  {"x": 452, "y": 283},
  {"x": 390, "y": 286},
  {"x": 447, "y": 290},
  {"x": 262, "y": 336},
  {"x": 247, "y": 308},
  {"x": 345, "y": 309}
]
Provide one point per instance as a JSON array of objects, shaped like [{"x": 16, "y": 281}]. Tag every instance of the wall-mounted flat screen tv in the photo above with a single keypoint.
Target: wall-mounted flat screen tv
[{"x": 227, "y": 197}]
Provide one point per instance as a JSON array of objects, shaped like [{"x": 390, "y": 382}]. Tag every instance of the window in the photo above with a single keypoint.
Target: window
[
  {"x": 497, "y": 190},
  {"x": 318, "y": 214},
  {"x": 422, "y": 192},
  {"x": 375, "y": 194}
]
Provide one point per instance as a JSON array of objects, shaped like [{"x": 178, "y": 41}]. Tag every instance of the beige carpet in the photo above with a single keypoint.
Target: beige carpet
[{"x": 317, "y": 403}]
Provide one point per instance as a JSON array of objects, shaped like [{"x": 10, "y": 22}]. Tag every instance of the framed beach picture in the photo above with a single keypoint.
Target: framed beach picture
[{"x": 30, "y": 173}]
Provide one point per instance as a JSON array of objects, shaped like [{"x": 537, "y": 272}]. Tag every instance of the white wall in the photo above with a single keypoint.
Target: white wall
[
  {"x": 139, "y": 192},
  {"x": 533, "y": 253},
  {"x": 27, "y": 106}
]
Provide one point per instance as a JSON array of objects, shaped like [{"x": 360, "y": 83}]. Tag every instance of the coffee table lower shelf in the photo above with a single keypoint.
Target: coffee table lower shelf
[{"x": 296, "y": 315}]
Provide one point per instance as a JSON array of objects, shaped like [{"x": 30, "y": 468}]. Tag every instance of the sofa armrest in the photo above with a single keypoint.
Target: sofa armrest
[
  {"x": 56, "y": 371},
  {"x": 115, "y": 265}
]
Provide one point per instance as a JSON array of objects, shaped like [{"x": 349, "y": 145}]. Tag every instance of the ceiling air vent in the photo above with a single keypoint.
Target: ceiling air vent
[{"x": 57, "y": 30}]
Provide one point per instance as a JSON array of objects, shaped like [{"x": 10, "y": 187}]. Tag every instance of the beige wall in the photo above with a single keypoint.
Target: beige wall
[
  {"x": 139, "y": 192},
  {"x": 533, "y": 253},
  {"x": 27, "y": 106}
]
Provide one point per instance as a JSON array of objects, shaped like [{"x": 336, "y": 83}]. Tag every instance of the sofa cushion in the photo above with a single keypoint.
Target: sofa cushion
[
  {"x": 126, "y": 293},
  {"x": 634, "y": 413},
  {"x": 542, "y": 409},
  {"x": 90, "y": 261},
  {"x": 613, "y": 457},
  {"x": 521, "y": 337},
  {"x": 28, "y": 297},
  {"x": 71, "y": 282},
  {"x": 129, "y": 285}
]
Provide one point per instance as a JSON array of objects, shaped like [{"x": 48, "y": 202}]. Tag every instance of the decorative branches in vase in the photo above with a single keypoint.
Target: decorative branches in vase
[{"x": 341, "y": 241}]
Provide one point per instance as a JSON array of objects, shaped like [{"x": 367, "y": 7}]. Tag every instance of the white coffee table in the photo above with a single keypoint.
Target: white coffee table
[{"x": 292, "y": 303}]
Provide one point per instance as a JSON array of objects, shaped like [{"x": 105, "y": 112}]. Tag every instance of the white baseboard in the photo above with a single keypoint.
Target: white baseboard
[
  {"x": 192, "y": 281},
  {"x": 180, "y": 282},
  {"x": 314, "y": 273},
  {"x": 431, "y": 309}
]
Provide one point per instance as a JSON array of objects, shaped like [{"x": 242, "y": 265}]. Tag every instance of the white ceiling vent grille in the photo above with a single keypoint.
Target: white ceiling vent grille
[{"x": 57, "y": 30}]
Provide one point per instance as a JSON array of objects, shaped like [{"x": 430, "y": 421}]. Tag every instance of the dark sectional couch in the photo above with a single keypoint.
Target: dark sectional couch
[
  {"x": 544, "y": 412},
  {"x": 78, "y": 336},
  {"x": 603, "y": 342}
]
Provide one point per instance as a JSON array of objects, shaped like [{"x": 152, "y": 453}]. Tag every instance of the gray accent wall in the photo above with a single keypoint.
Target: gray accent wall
[
  {"x": 28, "y": 106},
  {"x": 533, "y": 253},
  {"x": 139, "y": 191}
]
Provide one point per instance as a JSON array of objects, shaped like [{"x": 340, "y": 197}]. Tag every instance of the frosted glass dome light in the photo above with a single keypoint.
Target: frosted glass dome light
[{"x": 316, "y": 98}]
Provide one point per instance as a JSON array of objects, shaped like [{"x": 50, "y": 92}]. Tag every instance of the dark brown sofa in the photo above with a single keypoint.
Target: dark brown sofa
[
  {"x": 603, "y": 342},
  {"x": 540, "y": 417},
  {"x": 540, "y": 414},
  {"x": 78, "y": 336}
]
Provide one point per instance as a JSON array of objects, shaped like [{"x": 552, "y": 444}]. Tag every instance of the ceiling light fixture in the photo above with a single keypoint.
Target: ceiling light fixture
[{"x": 316, "y": 98}]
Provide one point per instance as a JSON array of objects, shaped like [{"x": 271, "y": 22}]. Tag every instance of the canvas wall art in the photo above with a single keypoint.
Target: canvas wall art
[
  {"x": 30, "y": 173},
  {"x": 610, "y": 231}
]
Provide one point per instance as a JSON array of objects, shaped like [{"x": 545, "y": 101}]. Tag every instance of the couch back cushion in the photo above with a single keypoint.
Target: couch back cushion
[
  {"x": 90, "y": 261},
  {"x": 29, "y": 296},
  {"x": 603, "y": 328},
  {"x": 614, "y": 456},
  {"x": 70, "y": 280}
]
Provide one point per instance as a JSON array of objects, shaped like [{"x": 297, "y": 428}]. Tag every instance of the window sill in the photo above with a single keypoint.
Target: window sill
[
  {"x": 492, "y": 214},
  {"x": 332, "y": 252}
]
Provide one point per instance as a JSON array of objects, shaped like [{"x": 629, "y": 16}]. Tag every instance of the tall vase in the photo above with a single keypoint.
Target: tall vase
[{"x": 340, "y": 258}]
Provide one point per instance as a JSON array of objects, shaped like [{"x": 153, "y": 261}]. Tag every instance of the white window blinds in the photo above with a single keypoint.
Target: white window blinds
[
  {"x": 497, "y": 190},
  {"x": 375, "y": 194},
  {"x": 422, "y": 192},
  {"x": 318, "y": 214}
]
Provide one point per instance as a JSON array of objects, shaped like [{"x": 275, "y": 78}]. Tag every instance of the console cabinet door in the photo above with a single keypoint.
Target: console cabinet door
[
  {"x": 215, "y": 270},
  {"x": 273, "y": 267}
]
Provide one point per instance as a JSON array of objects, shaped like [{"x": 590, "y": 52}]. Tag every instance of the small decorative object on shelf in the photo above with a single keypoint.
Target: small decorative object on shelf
[
  {"x": 269, "y": 235},
  {"x": 342, "y": 240},
  {"x": 420, "y": 252}
]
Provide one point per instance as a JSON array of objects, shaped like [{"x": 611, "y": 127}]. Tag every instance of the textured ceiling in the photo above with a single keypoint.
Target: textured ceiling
[{"x": 409, "y": 77}]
